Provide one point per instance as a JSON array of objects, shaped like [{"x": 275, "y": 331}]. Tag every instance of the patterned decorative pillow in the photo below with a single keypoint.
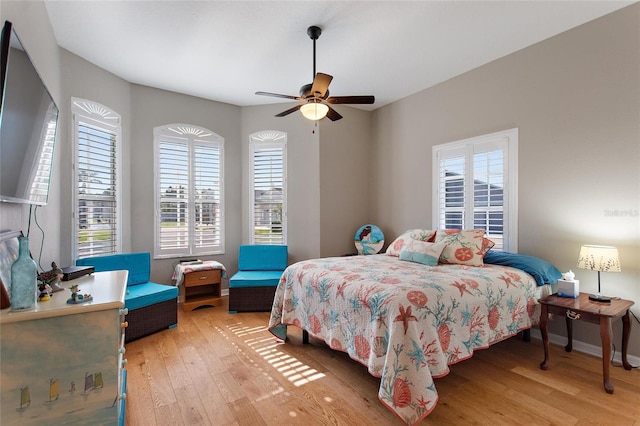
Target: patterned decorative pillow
[
  {"x": 422, "y": 252},
  {"x": 395, "y": 247},
  {"x": 463, "y": 247},
  {"x": 487, "y": 245}
]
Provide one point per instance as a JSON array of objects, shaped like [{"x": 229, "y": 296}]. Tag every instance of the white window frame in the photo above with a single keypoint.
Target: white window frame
[
  {"x": 103, "y": 118},
  {"x": 507, "y": 141},
  {"x": 191, "y": 137},
  {"x": 267, "y": 140}
]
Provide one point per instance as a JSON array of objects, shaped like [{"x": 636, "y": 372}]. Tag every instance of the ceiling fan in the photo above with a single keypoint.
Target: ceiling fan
[{"x": 315, "y": 96}]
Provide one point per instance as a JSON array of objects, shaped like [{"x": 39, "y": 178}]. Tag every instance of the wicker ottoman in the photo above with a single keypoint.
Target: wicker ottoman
[
  {"x": 251, "y": 299},
  {"x": 150, "y": 319}
]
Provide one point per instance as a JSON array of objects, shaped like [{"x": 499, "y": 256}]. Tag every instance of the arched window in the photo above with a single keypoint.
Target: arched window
[
  {"x": 96, "y": 144},
  {"x": 268, "y": 187},
  {"x": 189, "y": 191}
]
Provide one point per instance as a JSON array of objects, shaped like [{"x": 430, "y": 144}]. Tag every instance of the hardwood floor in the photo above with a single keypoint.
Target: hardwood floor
[{"x": 222, "y": 369}]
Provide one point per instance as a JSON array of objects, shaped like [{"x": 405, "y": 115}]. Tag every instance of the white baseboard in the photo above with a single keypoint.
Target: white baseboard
[
  {"x": 584, "y": 347},
  {"x": 224, "y": 292}
]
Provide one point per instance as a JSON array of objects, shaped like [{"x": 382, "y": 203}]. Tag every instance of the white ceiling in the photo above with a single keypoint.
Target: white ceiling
[{"x": 228, "y": 50}]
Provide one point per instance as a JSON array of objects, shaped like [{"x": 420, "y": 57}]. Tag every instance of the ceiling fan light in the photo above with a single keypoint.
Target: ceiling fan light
[{"x": 314, "y": 111}]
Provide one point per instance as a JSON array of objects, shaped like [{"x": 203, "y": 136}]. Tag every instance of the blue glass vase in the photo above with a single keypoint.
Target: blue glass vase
[{"x": 24, "y": 275}]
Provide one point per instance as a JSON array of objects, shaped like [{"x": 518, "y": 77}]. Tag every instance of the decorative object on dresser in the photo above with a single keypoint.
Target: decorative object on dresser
[
  {"x": 601, "y": 259},
  {"x": 202, "y": 282},
  {"x": 52, "y": 277},
  {"x": 24, "y": 278},
  {"x": 151, "y": 306},
  {"x": 260, "y": 267}
]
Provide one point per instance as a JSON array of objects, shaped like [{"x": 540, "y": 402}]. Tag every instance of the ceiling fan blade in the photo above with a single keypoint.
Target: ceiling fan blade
[
  {"x": 320, "y": 85},
  {"x": 333, "y": 114},
  {"x": 369, "y": 99},
  {"x": 278, "y": 95},
  {"x": 289, "y": 111}
]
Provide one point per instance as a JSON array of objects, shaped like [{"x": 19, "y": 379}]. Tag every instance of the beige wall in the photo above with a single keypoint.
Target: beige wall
[
  {"x": 346, "y": 173},
  {"x": 575, "y": 99}
]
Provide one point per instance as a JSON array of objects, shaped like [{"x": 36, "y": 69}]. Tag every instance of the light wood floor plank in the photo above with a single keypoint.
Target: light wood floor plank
[
  {"x": 218, "y": 368},
  {"x": 138, "y": 383}
]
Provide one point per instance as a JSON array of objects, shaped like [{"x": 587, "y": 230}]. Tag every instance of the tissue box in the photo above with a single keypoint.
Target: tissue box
[{"x": 568, "y": 288}]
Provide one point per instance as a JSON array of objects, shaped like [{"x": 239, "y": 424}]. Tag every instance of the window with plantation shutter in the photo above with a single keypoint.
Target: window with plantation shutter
[
  {"x": 475, "y": 186},
  {"x": 189, "y": 191},
  {"x": 96, "y": 133},
  {"x": 268, "y": 187}
]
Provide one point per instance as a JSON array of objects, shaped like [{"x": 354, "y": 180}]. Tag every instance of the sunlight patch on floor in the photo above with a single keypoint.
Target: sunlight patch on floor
[
  {"x": 240, "y": 330},
  {"x": 289, "y": 367}
]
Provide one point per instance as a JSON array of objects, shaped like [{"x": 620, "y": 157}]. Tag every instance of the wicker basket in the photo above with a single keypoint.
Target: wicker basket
[
  {"x": 251, "y": 299},
  {"x": 152, "y": 318}
]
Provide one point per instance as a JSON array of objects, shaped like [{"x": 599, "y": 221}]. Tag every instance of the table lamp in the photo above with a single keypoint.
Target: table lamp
[{"x": 601, "y": 259}]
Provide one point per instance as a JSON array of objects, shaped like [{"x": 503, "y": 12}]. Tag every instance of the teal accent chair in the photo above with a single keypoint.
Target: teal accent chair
[
  {"x": 152, "y": 307},
  {"x": 253, "y": 287}
]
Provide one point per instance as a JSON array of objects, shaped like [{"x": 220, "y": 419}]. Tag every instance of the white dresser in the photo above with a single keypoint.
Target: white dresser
[{"x": 63, "y": 363}]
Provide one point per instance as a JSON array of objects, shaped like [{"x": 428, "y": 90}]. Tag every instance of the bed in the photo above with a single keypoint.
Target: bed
[{"x": 407, "y": 321}]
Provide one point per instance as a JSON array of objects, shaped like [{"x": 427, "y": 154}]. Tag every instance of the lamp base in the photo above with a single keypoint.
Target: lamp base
[{"x": 599, "y": 298}]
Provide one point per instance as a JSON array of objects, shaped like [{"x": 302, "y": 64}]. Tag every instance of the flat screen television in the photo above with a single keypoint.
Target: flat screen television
[{"x": 28, "y": 123}]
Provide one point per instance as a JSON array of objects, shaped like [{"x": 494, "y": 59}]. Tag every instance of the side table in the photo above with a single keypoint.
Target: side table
[
  {"x": 202, "y": 283},
  {"x": 583, "y": 309}
]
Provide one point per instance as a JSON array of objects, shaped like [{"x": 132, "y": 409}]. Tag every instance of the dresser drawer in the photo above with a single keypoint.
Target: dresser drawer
[{"x": 198, "y": 278}]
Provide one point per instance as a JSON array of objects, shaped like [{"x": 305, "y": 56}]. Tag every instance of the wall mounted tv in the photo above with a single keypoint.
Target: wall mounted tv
[{"x": 28, "y": 122}]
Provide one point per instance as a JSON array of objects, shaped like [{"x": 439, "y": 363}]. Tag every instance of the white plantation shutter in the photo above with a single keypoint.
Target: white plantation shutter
[
  {"x": 268, "y": 187},
  {"x": 173, "y": 179},
  {"x": 451, "y": 178},
  {"x": 475, "y": 186},
  {"x": 189, "y": 191},
  {"x": 488, "y": 194},
  {"x": 97, "y": 196}
]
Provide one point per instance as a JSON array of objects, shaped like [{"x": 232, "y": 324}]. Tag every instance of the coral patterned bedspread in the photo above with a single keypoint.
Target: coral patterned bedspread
[{"x": 405, "y": 321}]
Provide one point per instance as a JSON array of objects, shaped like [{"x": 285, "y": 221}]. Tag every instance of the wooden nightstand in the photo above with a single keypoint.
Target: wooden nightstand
[
  {"x": 583, "y": 309},
  {"x": 202, "y": 288},
  {"x": 202, "y": 281}
]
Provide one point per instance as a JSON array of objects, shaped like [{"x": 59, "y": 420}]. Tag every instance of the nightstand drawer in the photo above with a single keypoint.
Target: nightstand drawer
[{"x": 198, "y": 278}]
